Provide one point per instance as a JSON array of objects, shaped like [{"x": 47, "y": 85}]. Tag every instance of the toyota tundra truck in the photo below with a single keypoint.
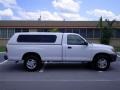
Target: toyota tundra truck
[{"x": 36, "y": 48}]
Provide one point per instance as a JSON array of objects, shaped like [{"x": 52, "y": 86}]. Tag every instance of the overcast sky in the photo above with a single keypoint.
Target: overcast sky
[{"x": 69, "y": 10}]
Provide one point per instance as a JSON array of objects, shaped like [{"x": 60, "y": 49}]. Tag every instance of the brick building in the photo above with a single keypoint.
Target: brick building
[{"x": 88, "y": 29}]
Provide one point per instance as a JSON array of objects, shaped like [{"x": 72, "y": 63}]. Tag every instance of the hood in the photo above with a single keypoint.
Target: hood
[{"x": 102, "y": 46}]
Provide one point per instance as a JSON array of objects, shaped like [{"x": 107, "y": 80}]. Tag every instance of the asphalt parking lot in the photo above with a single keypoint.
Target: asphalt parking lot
[{"x": 59, "y": 77}]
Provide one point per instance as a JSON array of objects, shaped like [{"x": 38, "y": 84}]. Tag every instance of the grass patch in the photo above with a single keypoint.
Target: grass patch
[
  {"x": 2, "y": 48},
  {"x": 117, "y": 49}
]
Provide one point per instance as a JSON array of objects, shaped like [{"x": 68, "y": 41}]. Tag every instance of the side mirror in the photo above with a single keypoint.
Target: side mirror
[{"x": 85, "y": 43}]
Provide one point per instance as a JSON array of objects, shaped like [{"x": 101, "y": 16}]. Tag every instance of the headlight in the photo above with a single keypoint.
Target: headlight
[{"x": 113, "y": 50}]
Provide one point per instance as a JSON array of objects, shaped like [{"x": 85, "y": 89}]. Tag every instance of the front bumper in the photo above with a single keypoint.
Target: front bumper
[{"x": 113, "y": 57}]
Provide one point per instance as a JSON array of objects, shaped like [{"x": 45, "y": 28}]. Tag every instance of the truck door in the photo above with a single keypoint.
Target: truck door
[{"x": 75, "y": 49}]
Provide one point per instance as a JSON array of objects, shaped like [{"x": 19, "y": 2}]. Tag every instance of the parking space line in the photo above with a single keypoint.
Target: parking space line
[
  {"x": 3, "y": 62},
  {"x": 78, "y": 80},
  {"x": 118, "y": 56},
  {"x": 42, "y": 70}
]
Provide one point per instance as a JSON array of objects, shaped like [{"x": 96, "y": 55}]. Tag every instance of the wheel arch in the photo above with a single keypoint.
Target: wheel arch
[
  {"x": 31, "y": 53},
  {"x": 102, "y": 53}
]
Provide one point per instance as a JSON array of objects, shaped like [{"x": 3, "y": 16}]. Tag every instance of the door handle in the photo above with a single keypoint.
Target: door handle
[{"x": 69, "y": 47}]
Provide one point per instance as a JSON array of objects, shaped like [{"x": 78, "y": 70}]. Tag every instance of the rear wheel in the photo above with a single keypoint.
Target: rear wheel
[
  {"x": 101, "y": 62},
  {"x": 32, "y": 63}
]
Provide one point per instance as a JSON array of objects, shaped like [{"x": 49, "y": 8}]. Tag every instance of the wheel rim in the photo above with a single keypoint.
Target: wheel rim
[
  {"x": 31, "y": 64},
  {"x": 102, "y": 63}
]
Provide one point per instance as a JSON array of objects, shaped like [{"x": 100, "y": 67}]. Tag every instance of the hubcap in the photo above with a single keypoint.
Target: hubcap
[
  {"x": 31, "y": 64},
  {"x": 102, "y": 63}
]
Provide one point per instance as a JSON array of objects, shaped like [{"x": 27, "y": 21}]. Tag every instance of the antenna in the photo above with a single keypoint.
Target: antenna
[{"x": 39, "y": 19}]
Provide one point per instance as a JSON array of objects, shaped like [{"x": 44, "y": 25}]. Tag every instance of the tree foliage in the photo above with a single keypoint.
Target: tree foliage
[{"x": 106, "y": 30}]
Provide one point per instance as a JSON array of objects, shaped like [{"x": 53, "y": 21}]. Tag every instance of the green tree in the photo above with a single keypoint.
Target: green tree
[
  {"x": 100, "y": 23},
  {"x": 106, "y": 30},
  {"x": 105, "y": 36},
  {"x": 109, "y": 30},
  {"x": 102, "y": 30},
  {"x": 110, "y": 26}
]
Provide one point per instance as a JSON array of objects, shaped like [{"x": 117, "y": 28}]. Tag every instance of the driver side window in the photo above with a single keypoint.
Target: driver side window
[{"x": 74, "y": 40}]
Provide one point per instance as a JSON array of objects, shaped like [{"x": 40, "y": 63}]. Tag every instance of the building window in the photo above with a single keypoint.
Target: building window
[
  {"x": 96, "y": 33},
  {"x": 68, "y": 30},
  {"x": 11, "y": 31},
  {"x": 117, "y": 33},
  {"x": 21, "y": 30},
  {"x": 40, "y": 30},
  {"x": 83, "y": 32},
  {"x": 25, "y": 30},
  {"x": 62, "y": 30},
  {"x": 46, "y": 30},
  {"x": 17, "y": 30},
  {"x": 89, "y": 33},
  {"x": 114, "y": 33},
  {"x": 3, "y": 33},
  {"x": 76, "y": 30},
  {"x": 0, "y": 33}
]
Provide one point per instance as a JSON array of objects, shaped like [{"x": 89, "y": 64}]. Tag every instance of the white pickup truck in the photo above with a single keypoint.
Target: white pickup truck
[{"x": 36, "y": 48}]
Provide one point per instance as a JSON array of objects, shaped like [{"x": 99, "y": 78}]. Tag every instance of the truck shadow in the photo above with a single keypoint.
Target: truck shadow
[
  {"x": 12, "y": 67},
  {"x": 71, "y": 66}
]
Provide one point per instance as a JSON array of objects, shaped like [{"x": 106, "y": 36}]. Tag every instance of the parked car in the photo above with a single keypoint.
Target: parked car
[{"x": 34, "y": 49}]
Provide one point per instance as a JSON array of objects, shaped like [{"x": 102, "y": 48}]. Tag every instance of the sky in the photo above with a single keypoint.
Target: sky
[{"x": 59, "y": 10}]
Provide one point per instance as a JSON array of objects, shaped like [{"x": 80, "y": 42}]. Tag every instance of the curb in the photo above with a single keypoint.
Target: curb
[{"x": 118, "y": 53}]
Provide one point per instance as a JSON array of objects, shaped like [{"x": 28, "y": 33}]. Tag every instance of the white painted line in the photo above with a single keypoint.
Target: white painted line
[
  {"x": 3, "y": 62},
  {"x": 99, "y": 80},
  {"x": 42, "y": 70},
  {"x": 100, "y": 71},
  {"x": 78, "y": 80},
  {"x": 118, "y": 56}
]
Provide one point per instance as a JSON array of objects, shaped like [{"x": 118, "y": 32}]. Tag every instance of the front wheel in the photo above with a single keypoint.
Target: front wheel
[{"x": 101, "y": 62}]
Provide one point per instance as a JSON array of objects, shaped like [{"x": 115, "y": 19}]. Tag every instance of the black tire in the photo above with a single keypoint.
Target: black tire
[
  {"x": 101, "y": 62},
  {"x": 34, "y": 59}
]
